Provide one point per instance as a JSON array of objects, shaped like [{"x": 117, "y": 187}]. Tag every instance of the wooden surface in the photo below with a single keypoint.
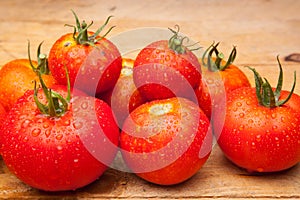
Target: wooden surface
[{"x": 261, "y": 30}]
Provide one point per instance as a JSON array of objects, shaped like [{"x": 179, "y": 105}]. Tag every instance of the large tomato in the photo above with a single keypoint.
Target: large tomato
[
  {"x": 166, "y": 141},
  {"x": 94, "y": 63},
  {"x": 261, "y": 129},
  {"x": 54, "y": 143},
  {"x": 166, "y": 68}
]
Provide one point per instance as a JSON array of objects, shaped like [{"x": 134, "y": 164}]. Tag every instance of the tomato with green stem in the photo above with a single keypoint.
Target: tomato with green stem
[
  {"x": 219, "y": 78},
  {"x": 94, "y": 62},
  {"x": 167, "y": 68},
  {"x": 55, "y": 140},
  {"x": 262, "y": 125}
]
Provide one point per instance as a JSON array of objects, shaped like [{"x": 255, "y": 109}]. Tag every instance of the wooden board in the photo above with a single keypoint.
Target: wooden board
[{"x": 261, "y": 30}]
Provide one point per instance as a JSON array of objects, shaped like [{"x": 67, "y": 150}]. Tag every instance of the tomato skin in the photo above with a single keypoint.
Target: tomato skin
[
  {"x": 3, "y": 114},
  {"x": 124, "y": 97},
  {"x": 217, "y": 85},
  {"x": 93, "y": 69},
  {"x": 16, "y": 77},
  {"x": 257, "y": 138},
  {"x": 166, "y": 141},
  {"x": 51, "y": 153},
  {"x": 160, "y": 73}
]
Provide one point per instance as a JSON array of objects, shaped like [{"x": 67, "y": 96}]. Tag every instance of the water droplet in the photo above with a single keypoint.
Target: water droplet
[
  {"x": 84, "y": 105},
  {"x": 274, "y": 127},
  {"x": 239, "y": 104},
  {"x": 241, "y": 115},
  {"x": 248, "y": 102},
  {"x": 258, "y": 138},
  {"x": 45, "y": 125},
  {"x": 47, "y": 132},
  {"x": 59, "y": 148},
  {"x": 25, "y": 139},
  {"x": 76, "y": 160},
  {"x": 26, "y": 123},
  {"x": 250, "y": 121},
  {"x": 59, "y": 136},
  {"x": 36, "y": 132},
  {"x": 67, "y": 123},
  {"x": 241, "y": 127},
  {"x": 77, "y": 125},
  {"x": 276, "y": 138}
]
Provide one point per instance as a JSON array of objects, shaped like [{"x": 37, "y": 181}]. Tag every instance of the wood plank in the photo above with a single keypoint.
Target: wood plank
[{"x": 218, "y": 178}]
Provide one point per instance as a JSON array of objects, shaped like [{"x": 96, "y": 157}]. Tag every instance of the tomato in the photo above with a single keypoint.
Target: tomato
[
  {"x": 124, "y": 97},
  {"x": 17, "y": 76},
  {"x": 219, "y": 78},
  {"x": 166, "y": 141},
  {"x": 165, "y": 69},
  {"x": 93, "y": 62},
  {"x": 63, "y": 145},
  {"x": 261, "y": 132}
]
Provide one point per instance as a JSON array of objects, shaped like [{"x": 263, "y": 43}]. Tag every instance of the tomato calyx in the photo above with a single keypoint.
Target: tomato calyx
[
  {"x": 265, "y": 94},
  {"x": 80, "y": 33},
  {"x": 176, "y": 42},
  {"x": 42, "y": 67},
  {"x": 216, "y": 65},
  {"x": 56, "y": 105}
]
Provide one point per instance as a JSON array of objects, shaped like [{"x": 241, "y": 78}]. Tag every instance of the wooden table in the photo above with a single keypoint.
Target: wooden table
[{"x": 261, "y": 30}]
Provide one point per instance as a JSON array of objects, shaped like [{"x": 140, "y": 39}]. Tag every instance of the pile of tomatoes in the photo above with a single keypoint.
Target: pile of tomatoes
[{"x": 65, "y": 117}]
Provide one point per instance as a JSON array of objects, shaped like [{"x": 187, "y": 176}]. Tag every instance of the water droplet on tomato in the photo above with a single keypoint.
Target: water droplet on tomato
[
  {"x": 59, "y": 136},
  {"x": 238, "y": 104},
  {"x": 25, "y": 123},
  {"x": 25, "y": 139},
  {"x": 36, "y": 132},
  {"x": 241, "y": 115},
  {"x": 258, "y": 138},
  {"x": 76, "y": 160},
  {"x": 59, "y": 148},
  {"x": 84, "y": 105},
  {"x": 77, "y": 125},
  {"x": 47, "y": 132},
  {"x": 241, "y": 127},
  {"x": 250, "y": 121}
]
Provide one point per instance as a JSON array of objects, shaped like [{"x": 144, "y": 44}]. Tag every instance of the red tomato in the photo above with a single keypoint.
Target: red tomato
[
  {"x": 261, "y": 133},
  {"x": 219, "y": 78},
  {"x": 93, "y": 62},
  {"x": 64, "y": 151},
  {"x": 166, "y": 141},
  {"x": 124, "y": 97},
  {"x": 165, "y": 69}
]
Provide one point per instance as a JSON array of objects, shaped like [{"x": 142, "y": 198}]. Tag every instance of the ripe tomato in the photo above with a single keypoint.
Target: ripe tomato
[
  {"x": 261, "y": 132},
  {"x": 124, "y": 97},
  {"x": 93, "y": 62},
  {"x": 16, "y": 77},
  {"x": 166, "y": 69},
  {"x": 166, "y": 141},
  {"x": 219, "y": 78},
  {"x": 62, "y": 152}
]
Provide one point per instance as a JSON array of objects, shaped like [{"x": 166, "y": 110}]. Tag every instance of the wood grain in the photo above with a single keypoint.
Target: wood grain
[{"x": 261, "y": 30}]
